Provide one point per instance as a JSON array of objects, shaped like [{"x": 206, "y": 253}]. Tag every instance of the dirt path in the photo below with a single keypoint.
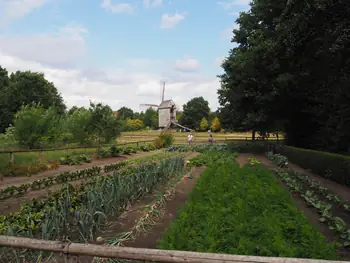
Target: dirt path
[
  {"x": 13, "y": 204},
  {"x": 8, "y": 181}
]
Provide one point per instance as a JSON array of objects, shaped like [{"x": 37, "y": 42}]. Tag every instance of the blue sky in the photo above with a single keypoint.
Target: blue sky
[{"x": 117, "y": 51}]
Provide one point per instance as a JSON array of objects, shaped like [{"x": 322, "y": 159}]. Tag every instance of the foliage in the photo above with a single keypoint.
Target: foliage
[
  {"x": 103, "y": 124},
  {"x": 125, "y": 113},
  {"x": 247, "y": 147},
  {"x": 14, "y": 170},
  {"x": 78, "y": 125},
  {"x": 209, "y": 158},
  {"x": 34, "y": 125},
  {"x": 24, "y": 88},
  {"x": 201, "y": 148},
  {"x": 281, "y": 60},
  {"x": 84, "y": 210},
  {"x": 278, "y": 159},
  {"x": 75, "y": 159},
  {"x": 165, "y": 139},
  {"x": 150, "y": 118},
  {"x": 216, "y": 125},
  {"x": 320, "y": 199},
  {"x": 331, "y": 166},
  {"x": 49, "y": 181},
  {"x": 194, "y": 111},
  {"x": 203, "y": 126},
  {"x": 252, "y": 215},
  {"x": 134, "y": 125}
]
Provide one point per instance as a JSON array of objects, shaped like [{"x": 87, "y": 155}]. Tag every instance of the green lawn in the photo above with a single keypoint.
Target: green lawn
[{"x": 244, "y": 211}]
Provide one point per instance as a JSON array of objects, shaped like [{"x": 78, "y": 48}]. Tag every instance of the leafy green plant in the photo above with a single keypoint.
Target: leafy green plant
[
  {"x": 75, "y": 159},
  {"x": 244, "y": 211},
  {"x": 78, "y": 213}
]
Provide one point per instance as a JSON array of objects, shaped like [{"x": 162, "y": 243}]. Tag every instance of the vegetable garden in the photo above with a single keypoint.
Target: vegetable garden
[{"x": 232, "y": 208}]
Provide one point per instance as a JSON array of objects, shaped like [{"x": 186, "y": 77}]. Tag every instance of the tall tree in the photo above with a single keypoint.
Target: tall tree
[
  {"x": 150, "y": 118},
  {"x": 194, "y": 111},
  {"x": 125, "y": 113},
  {"x": 25, "y": 88},
  {"x": 103, "y": 124},
  {"x": 291, "y": 53}
]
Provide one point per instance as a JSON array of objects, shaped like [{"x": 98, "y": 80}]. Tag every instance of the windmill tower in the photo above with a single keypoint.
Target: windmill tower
[{"x": 166, "y": 112}]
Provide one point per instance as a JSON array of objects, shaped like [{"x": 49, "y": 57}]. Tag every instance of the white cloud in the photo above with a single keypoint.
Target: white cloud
[
  {"x": 59, "y": 49},
  {"x": 14, "y": 9},
  {"x": 152, "y": 3},
  {"x": 187, "y": 65},
  {"x": 233, "y": 3},
  {"x": 136, "y": 83},
  {"x": 227, "y": 33},
  {"x": 170, "y": 21},
  {"x": 117, "y": 7}
]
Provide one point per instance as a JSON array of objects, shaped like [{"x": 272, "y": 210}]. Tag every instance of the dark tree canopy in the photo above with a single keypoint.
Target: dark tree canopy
[
  {"x": 290, "y": 72},
  {"x": 24, "y": 88},
  {"x": 125, "y": 113},
  {"x": 194, "y": 111}
]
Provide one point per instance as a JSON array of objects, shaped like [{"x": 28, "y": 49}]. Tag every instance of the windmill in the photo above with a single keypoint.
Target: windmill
[{"x": 166, "y": 112}]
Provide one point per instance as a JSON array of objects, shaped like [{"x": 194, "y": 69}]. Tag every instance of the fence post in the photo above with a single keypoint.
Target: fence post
[
  {"x": 12, "y": 158},
  {"x": 137, "y": 144}
]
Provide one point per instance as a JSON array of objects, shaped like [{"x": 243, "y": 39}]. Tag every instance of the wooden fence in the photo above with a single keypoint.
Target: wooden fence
[
  {"x": 12, "y": 152},
  {"x": 142, "y": 254}
]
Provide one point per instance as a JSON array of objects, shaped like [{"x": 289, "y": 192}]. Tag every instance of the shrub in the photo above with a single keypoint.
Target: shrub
[
  {"x": 247, "y": 147},
  {"x": 164, "y": 140},
  {"x": 335, "y": 167}
]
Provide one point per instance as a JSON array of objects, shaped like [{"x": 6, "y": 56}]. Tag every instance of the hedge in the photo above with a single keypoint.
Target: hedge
[
  {"x": 248, "y": 147},
  {"x": 332, "y": 166}
]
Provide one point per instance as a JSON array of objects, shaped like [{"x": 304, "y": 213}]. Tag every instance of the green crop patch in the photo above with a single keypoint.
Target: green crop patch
[{"x": 244, "y": 211}]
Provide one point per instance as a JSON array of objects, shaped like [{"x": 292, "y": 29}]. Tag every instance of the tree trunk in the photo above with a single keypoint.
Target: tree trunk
[{"x": 253, "y": 135}]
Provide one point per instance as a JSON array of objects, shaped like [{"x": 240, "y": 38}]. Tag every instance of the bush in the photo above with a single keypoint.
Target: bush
[
  {"x": 332, "y": 166},
  {"x": 247, "y": 147},
  {"x": 164, "y": 140}
]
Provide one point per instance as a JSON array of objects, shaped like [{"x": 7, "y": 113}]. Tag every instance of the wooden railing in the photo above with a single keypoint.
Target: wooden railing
[{"x": 142, "y": 254}]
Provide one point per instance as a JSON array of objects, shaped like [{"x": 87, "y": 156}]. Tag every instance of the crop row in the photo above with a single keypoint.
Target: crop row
[
  {"x": 66, "y": 177},
  {"x": 243, "y": 211},
  {"x": 312, "y": 192},
  {"x": 198, "y": 148},
  {"x": 78, "y": 213},
  {"x": 72, "y": 159}
]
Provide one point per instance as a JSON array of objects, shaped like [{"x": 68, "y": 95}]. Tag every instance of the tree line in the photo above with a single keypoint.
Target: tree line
[
  {"x": 289, "y": 72},
  {"x": 33, "y": 115}
]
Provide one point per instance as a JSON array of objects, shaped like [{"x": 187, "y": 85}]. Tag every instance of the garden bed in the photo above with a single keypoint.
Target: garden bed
[{"x": 252, "y": 215}]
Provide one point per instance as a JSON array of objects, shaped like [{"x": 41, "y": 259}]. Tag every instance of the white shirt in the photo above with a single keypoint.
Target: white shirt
[{"x": 189, "y": 137}]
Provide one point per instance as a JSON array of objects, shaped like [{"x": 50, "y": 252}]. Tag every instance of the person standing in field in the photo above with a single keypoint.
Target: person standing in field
[
  {"x": 190, "y": 138},
  {"x": 211, "y": 139}
]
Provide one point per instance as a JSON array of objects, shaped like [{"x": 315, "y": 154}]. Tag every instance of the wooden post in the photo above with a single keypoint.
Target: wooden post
[
  {"x": 137, "y": 144},
  {"x": 12, "y": 158},
  {"x": 143, "y": 254}
]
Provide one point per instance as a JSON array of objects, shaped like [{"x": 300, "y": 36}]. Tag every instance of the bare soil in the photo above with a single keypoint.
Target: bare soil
[
  {"x": 13, "y": 204},
  {"x": 308, "y": 211}
]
